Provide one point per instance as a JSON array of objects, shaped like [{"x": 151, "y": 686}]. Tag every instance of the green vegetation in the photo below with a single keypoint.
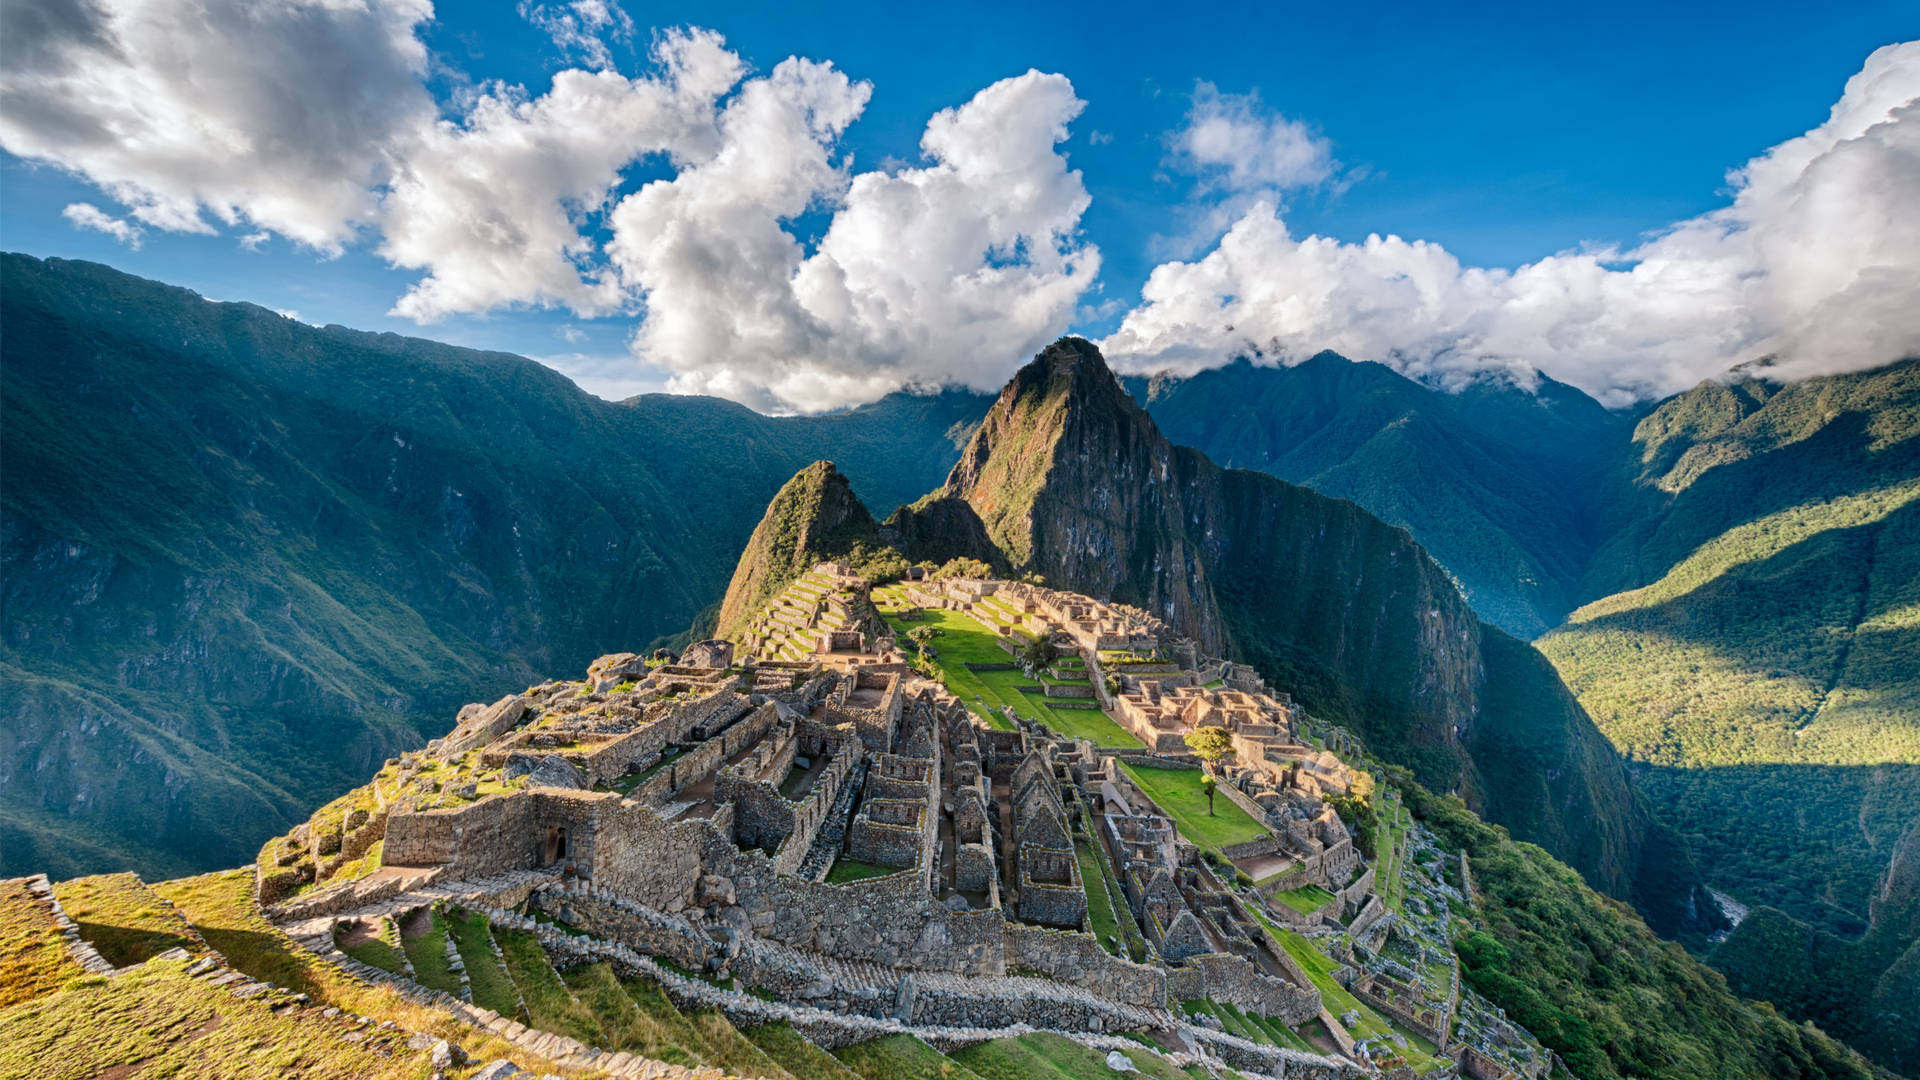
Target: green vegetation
[
  {"x": 492, "y": 988},
  {"x": 220, "y": 908},
  {"x": 426, "y": 949},
  {"x": 1582, "y": 973},
  {"x": 1319, "y": 968},
  {"x": 1177, "y": 791},
  {"x": 550, "y": 1005},
  {"x": 792, "y": 1052},
  {"x": 375, "y": 949},
  {"x": 1101, "y": 913},
  {"x": 33, "y": 954},
  {"x": 1046, "y": 1056},
  {"x": 901, "y": 1057},
  {"x": 1306, "y": 900},
  {"x": 962, "y": 640},
  {"x": 122, "y": 918},
  {"x": 156, "y": 1021},
  {"x": 845, "y": 870}
]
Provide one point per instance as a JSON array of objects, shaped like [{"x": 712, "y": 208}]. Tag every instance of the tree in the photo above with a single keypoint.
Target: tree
[
  {"x": 1037, "y": 652},
  {"x": 963, "y": 568},
  {"x": 1208, "y": 784},
  {"x": 1209, "y": 744},
  {"x": 922, "y": 636}
]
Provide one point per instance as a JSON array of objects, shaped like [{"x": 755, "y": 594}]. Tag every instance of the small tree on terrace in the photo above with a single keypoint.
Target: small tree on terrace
[
  {"x": 1210, "y": 744},
  {"x": 1207, "y": 785},
  {"x": 922, "y": 636},
  {"x": 1037, "y": 652}
]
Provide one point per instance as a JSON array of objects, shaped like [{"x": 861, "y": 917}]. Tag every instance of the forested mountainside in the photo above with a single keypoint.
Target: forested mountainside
[
  {"x": 244, "y": 558},
  {"x": 1503, "y": 485},
  {"x": 1738, "y": 573},
  {"x": 1070, "y": 479},
  {"x": 1760, "y": 654}
]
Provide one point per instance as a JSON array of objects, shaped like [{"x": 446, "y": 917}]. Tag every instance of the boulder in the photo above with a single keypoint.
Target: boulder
[
  {"x": 1119, "y": 1062},
  {"x": 497, "y": 1070},
  {"x": 714, "y": 653},
  {"x": 556, "y": 771}
]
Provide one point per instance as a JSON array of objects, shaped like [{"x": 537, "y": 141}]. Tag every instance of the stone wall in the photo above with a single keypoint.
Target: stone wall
[
  {"x": 1050, "y": 889},
  {"x": 1266, "y": 845},
  {"x": 810, "y": 813},
  {"x": 888, "y": 832},
  {"x": 1369, "y": 915},
  {"x": 479, "y": 839},
  {"x": 1073, "y": 957},
  {"x": 1234, "y": 979},
  {"x": 1355, "y": 894}
]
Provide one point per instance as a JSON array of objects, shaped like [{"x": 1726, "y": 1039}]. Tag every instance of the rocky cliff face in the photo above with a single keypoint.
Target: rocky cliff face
[{"x": 1069, "y": 478}]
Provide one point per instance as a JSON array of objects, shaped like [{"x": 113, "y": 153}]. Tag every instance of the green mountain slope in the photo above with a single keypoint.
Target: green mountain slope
[
  {"x": 1069, "y": 478},
  {"x": 1498, "y": 483},
  {"x": 241, "y": 556}
]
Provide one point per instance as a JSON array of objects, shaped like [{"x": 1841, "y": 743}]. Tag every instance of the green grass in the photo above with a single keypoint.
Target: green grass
[
  {"x": 428, "y": 952},
  {"x": 122, "y": 918},
  {"x": 33, "y": 957},
  {"x": 965, "y": 640},
  {"x": 220, "y": 907},
  {"x": 492, "y": 989},
  {"x": 901, "y": 1057},
  {"x": 626, "y": 1025},
  {"x": 845, "y": 870},
  {"x": 155, "y": 1021},
  {"x": 550, "y": 1005},
  {"x": 1306, "y": 900},
  {"x": 1100, "y": 913},
  {"x": 1178, "y": 793},
  {"x": 1420, "y": 1052},
  {"x": 1046, "y": 1056},
  {"x": 796, "y": 1055},
  {"x": 673, "y": 1037},
  {"x": 377, "y": 952}
]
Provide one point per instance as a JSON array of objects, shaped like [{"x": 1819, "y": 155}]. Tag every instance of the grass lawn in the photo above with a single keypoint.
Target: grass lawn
[
  {"x": 122, "y": 918},
  {"x": 845, "y": 870},
  {"x": 374, "y": 951},
  {"x": 964, "y": 640},
  {"x": 902, "y": 1057},
  {"x": 794, "y": 1053},
  {"x": 1420, "y": 1052},
  {"x": 156, "y": 1021},
  {"x": 1306, "y": 899},
  {"x": 33, "y": 956},
  {"x": 428, "y": 952},
  {"x": 492, "y": 989},
  {"x": 549, "y": 1003},
  {"x": 1046, "y": 1056},
  {"x": 1106, "y": 925},
  {"x": 1178, "y": 793},
  {"x": 220, "y": 906}
]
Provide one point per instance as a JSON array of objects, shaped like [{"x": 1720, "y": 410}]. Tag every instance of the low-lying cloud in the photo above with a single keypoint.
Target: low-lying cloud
[
  {"x": 1814, "y": 267},
  {"x": 312, "y": 120}
]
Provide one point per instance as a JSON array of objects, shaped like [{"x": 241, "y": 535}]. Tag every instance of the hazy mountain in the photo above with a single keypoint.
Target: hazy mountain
[
  {"x": 1501, "y": 484},
  {"x": 243, "y": 556}
]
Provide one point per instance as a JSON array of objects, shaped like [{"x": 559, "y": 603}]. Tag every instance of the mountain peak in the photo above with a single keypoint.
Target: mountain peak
[{"x": 814, "y": 516}]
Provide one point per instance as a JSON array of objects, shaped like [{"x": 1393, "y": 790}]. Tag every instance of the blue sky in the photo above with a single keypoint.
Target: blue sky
[{"x": 1504, "y": 134}]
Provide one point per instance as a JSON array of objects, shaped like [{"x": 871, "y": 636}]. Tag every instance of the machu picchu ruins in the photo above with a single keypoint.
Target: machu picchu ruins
[{"x": 949, "y": 809}]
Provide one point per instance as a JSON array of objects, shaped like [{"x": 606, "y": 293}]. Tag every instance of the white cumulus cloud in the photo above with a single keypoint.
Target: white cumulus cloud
[
  {"x": 941, "y": 273},
  {"x": 1813, "y": 267},
  {"x": 85, "y": 215}
]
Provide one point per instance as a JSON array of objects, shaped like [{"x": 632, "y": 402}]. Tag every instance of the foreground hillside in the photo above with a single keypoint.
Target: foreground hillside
[{"x": 244, "y": 559}]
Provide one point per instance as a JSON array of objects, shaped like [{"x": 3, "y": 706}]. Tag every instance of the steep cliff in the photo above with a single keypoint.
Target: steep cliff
[{"x": 1071, "y": 479}]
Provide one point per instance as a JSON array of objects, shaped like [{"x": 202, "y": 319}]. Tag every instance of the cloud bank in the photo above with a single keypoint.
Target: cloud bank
[
  {"x": 312, "y": 120},
  {"x": 1814, "y": 267}
]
